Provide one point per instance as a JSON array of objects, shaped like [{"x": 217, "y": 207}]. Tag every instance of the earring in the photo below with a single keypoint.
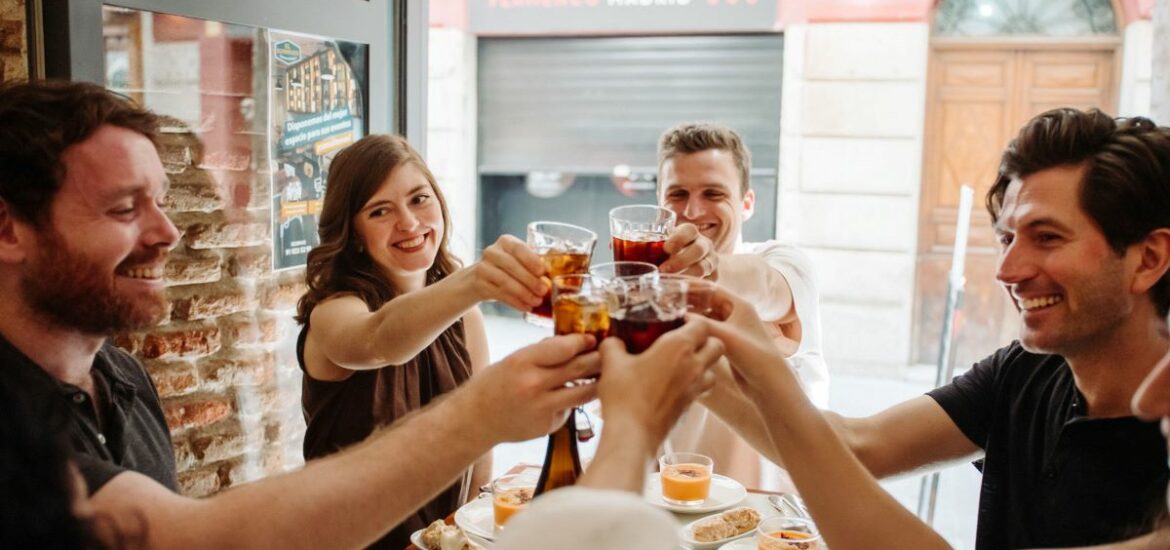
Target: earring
[{"x": 361, "y": 249}]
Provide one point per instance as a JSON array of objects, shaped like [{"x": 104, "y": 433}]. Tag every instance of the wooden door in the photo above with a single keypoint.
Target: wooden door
[{"x": 978, "y": 97}]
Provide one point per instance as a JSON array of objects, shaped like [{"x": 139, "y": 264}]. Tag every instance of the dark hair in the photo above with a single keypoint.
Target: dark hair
[
  {"x": 38, "y": 121},
  {"x": 336, "y": 265},
  {"x": 1126, "y": 186},
  {"x": 36, "y": 510},
  {"x": 695, "y": 137}
]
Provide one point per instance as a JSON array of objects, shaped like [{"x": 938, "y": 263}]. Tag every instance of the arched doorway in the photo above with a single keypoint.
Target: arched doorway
[{"x": 994, "y": 64}]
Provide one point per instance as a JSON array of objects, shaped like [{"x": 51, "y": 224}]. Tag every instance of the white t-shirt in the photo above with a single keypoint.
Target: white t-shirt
[
  {"x": 702, "y": 432},
  {"x": 581, "y": 518},
  {"x": 797, "y": 269}
]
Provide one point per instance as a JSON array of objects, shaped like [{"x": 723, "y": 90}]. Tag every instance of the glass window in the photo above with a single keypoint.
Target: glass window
[
  {"x": 1025, "y": 18},
  {"x": 270, "y": 109}
]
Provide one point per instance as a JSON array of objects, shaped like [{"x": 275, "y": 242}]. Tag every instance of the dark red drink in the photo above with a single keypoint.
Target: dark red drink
[
  {"x": 640, "y": 325},
  {"x": 645, "y": 247}
]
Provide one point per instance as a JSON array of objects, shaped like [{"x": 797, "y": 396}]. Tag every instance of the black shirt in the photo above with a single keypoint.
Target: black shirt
[
  {"x": 1053, "y": 477},
  {"x": 132, "y": 434}
]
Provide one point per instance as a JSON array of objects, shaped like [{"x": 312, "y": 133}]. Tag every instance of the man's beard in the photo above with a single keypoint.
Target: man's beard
[{"x": 71, "y": 291}]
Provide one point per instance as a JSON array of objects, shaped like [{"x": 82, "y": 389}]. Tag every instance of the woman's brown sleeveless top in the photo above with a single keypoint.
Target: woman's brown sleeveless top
[{"x": 342, "y": 413}]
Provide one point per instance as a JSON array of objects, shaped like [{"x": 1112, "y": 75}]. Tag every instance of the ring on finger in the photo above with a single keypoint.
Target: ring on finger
[{"x": 708, "y": 266}]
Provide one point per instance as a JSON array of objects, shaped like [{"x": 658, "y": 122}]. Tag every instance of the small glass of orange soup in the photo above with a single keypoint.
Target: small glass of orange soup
[
  {"x": 686, "y": 478},
  {"x": 510, "y": 494},
  {"x": 788, "y": 533}
]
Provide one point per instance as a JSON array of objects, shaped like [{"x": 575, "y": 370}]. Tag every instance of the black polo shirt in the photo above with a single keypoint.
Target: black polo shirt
[
  {"x": 1053, "y": 477},
  {"x": 133, "y": 433}
]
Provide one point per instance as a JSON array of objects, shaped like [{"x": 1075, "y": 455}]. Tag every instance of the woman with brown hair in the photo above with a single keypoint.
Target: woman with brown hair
[{"x": 390, "y": 319}]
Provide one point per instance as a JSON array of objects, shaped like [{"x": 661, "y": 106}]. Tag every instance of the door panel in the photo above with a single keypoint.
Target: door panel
[{"x": 978, "y": 99}]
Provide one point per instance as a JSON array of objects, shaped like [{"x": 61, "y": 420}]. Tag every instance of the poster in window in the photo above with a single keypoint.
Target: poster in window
[{"x": 318, "y": 89}]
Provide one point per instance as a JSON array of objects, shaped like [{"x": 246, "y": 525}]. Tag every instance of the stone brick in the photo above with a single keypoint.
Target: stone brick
[
  {"x": 179, "y": 340},
  {"x": 227, "y": 178},
  {"x": 282, "y": 295},
  {"x": 253, "y": 402},
  {"x": 195, "y": 412},
  {"x": 171, "y": 125},
  {"x": 193, "y": 268},
  {"x": 184, "y": 458},
  {"x": 250, "y": 262},
  {"x": 222, "y": 114},
  {"x": 208, "y": 301},
  {"x": 238, "y": 368},
  {"x": 232, "y": 158},
  {"x": 199, "y": 483},
  {"x": 225, "y": 234},
  {"x": 11, "y": 36},
  {"x": 218, "y": 446},
  {"x": 182, "y": 140},
  {"x": 175, "y": 158},
  {"x": 173, "y": 379},
  {"x": 194, "y": 198},
  {"x": 239, "y": 472},
  {"x": 246, "y": 329}
]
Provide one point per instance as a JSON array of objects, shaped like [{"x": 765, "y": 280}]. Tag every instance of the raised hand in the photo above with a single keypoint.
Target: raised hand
[
  {"x": 653, "y": 388},
  {"x": 509, "y": 272},
  {"x": 525, "y": 395},
  {"x": 750, "y": 349},
  {"x": 690, "y": 253}
]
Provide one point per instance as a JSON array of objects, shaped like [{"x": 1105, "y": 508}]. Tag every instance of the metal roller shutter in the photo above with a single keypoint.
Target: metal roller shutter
[{"x": 581, "y": 106}]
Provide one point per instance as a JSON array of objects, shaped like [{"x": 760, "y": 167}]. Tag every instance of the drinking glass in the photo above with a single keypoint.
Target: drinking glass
[
  {"x": 510, "y": 494},
  {"x": 612, "y": 270},
  {"x": 788, "y": 533},
  {"x": 580, "y": 306},
  {"x": 639, "y": 232},
  {"x": 686, "y": 478},
  {"x": 645, "y": 307},
  {"x": 699, "y": 292},
  {"x": 565, "y": 249}
]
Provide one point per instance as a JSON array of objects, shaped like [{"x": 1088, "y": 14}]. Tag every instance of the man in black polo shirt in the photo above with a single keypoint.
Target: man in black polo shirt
[
  {"x": 83, "y": 241},
  {"x": 1082, "y": 210}
]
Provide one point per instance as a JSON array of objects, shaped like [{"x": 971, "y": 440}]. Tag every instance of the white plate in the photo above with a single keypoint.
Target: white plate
[
  {"x": 725, "y": 493},
  {"x": 684, "y": 534},
  {"x": 416, "y": 540},
  {"x": 741, "y": 544},
  {"x": 477, "y": 519}
]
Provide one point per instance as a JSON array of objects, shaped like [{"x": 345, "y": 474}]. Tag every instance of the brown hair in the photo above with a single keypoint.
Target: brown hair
[
  {"x": 694, "y": 137},
  {"x": 39, "y": 121},
  {"x": 336, "y": 266},
  {"x": 1126, "y": 187}
]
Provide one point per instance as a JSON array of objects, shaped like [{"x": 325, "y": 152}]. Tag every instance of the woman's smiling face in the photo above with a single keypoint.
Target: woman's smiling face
[{"x": 401, "y": 227}]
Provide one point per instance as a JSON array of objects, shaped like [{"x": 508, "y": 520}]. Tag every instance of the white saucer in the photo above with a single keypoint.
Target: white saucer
[
  {"x": 416, "y": 539},
  {"x": 725, "y": 493},
  {"x": 477, "y": 519},
  {"x": 741, "y": 544},
  {"x": 684, "y": 534}
]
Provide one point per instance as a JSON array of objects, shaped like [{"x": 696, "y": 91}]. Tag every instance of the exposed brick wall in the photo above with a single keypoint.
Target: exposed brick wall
[
  {"x": 13, "y": 44},
  {"x": 223, "y": 361}
]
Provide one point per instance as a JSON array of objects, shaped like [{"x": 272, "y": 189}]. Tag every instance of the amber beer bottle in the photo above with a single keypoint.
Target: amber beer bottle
[{"x": 562, "y": 465}]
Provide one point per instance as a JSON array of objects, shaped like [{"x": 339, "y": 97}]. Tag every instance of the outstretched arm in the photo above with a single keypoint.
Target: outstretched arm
[
  {"x": 344, "y": 335},
  {"x": 641, "y": 398},
  {"x": 350, "y": 499},
  {"x": 850, "y": 508},
  {"x": 748, "y": 275}
]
